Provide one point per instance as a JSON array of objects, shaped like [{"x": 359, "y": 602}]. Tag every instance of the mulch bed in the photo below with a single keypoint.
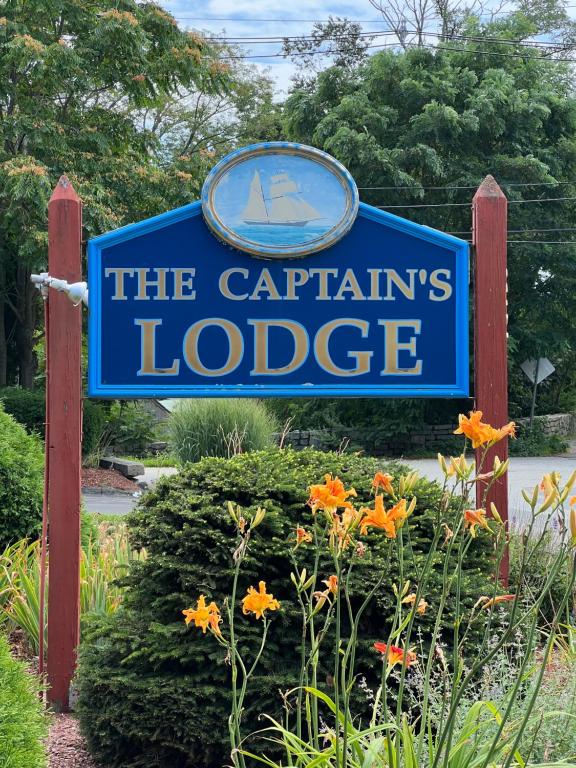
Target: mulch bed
[
  {"x": 66, "y": 746},
  {"x": 107, "y": 478}
]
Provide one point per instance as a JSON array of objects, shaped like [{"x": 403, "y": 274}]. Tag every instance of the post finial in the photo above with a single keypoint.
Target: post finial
[
  {"x": 489, "y": 188},
  {"x": 64, "y": 190}
]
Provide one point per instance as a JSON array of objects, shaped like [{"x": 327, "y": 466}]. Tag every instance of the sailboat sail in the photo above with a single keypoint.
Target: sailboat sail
[
  {"x": 282, "y": 184},
  {"x": 285, "y": 207},
  {"x": 256, "y": 207}
]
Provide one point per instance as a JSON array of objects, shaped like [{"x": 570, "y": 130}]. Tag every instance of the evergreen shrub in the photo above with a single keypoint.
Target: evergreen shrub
[
  {"x": 215, "y": 427},
  {"x": 152, "y": 693},
  {"x": 23, "y": 724},
  {"x": 21, "y": 481}
]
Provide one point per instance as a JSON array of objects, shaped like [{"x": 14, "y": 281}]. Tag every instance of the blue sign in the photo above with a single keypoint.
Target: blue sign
[
  {"x": 279, "y": 200},
  {"x": 175, "y": 312}
]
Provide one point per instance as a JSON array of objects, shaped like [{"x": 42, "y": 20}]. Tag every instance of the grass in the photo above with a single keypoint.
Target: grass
[{"x": 23, "y": 723}]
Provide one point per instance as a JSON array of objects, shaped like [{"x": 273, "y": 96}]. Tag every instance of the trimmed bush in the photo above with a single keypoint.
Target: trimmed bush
[
  {"x": 21, "y": 481},
  {"x": 152, "y": 693},
  {"x": 23, "y": 724},
  {"x": 199, "y": 428}
]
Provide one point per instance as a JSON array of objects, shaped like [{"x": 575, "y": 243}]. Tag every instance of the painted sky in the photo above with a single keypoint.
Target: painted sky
[{"x": 193, "y": 13}]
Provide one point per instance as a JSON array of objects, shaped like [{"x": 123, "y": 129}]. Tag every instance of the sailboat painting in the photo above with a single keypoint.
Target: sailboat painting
[
  {"x": 279, "y": 200},
  {"x": 285, "y": 207}
]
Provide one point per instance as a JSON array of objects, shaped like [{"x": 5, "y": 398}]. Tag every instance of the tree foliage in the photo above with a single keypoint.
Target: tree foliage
[
  {"x": 132, "y": 108},
  {"x": 403, "y": 122}
]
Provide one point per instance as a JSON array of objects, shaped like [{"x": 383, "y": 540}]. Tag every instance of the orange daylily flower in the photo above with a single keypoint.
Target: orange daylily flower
[
  {"x": 395, "y": 655},
  {"x": 302, "y": 536},
  {"x": 204, "y": 616},
  {"x": 490, "y": 601},
  {"x": 383, "y": 480},
  {"x": 332, "y": 583},
  {"x": 411, "y": 599},
  {"x": 474, "y": 517},
  {"x": 330, "y": 495},
  {"x": 388, "y": 521},
  {"x": 481, "y": 433},
  {"x": 259, "y": 602},
  {"x": 549, "y": 484}
]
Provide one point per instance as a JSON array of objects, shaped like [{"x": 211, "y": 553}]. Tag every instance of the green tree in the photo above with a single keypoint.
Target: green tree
[
  {"x": 406, "y": 121},
  {"x": 75, "y": 78}
]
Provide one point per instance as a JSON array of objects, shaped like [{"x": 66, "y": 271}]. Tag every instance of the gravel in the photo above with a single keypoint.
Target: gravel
[{"x": 66, "y": 747}]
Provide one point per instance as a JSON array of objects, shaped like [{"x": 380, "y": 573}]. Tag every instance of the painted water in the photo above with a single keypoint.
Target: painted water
[{"x": 281, "y": 234}]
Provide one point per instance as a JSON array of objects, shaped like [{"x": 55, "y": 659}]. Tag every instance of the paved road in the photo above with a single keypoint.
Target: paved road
[{"x": 524, "y": 473}]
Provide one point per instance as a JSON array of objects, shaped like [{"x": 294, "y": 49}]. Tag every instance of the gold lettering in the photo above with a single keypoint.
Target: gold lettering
[
  {"x": 148, "y": 351},
  {"x": 225, "y": 288},
  {"x": 144, "y": 283},
  {"x": 235, "y": 347},
  {"x": 294, "y": 278},
  {"x": 301, "y": 346},
  {"x": 393, "y": 278},
  {"x": 322, "y": 352},
  {"x": 323, "y": 282},
  {"x": 393, "y": 346},
  {"x": 181, "y": 282},
  {"x": 265, "y": 283},
  {"x": 349, "y": 285},
  {"x": 119, "y": 273},
  {"x": 374, "y": 284},
  {"x": 442, "y": 285}
]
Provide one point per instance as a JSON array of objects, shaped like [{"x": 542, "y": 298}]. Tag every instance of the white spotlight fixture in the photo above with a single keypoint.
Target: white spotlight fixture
[{"x": 76, "y": 292}]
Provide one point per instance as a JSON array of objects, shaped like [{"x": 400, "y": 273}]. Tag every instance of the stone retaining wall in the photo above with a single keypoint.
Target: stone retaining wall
[{"x": 427, "y": 437}]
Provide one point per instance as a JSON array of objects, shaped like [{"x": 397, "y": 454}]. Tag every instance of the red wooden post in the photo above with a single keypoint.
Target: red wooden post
[
  {"x": 65, "y": 419},
  {"x": 489, "y": 234}
]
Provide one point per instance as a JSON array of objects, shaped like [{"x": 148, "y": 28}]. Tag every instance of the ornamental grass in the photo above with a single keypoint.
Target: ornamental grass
[{"x": 428, "y": 708}]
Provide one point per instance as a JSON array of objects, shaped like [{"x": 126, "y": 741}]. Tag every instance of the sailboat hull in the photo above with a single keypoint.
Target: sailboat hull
[{"x": 276, "y": 223}]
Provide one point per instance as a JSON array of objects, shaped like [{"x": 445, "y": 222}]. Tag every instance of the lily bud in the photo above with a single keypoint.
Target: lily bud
[
  {"x": 411, "y": 506},
  {"x": 573, "y": 524},
  {"x": 303, "y": 576},
  {"x": 500, "y": 467},
  {"x": 548, "y": 501},
  {"x": 309, "y": 583},
  {"x": 571, "y": 480},
  {"x": 232, "y": 513},
  {"x": 442, "y": 463},
  {"x": 495, "y": 513},
  {"x": 258, "y": 517}
]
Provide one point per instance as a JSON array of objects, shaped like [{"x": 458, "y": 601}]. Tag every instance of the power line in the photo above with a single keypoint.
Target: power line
[
  {"x": 452, "y": 49},
  {"x": 520, "y": 231},
  {"x": 462, "y": 205},
  {"x": 254, "y": 40},
  {"x": 475, "y": 186}
]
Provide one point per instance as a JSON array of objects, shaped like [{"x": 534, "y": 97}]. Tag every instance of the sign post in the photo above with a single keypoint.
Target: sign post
[
  {"x": 64, "y": 415},
  {"x": 490, "y": 233}
]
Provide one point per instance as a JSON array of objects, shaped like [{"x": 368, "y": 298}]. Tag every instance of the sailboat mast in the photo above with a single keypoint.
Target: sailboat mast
[{"x": 263, "y": 198}]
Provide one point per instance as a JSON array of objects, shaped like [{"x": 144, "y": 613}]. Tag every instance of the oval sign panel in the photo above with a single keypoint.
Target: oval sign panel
[{"x": 279, "y": 200}]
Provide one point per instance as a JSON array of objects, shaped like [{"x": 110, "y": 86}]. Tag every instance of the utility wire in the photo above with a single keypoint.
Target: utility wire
[
  {"x": 475, "y": 186},
  {"x": 253, "y": 40},
  {"x": 463, "y": 205},
  {"x": 429, "y": 46}
]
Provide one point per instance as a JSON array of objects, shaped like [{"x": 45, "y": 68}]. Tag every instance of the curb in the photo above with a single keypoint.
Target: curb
[{"x": 106, "y": 490}]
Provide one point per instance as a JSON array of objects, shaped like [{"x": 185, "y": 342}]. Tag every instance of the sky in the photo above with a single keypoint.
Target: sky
[{"x": 243, "y": 18}]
